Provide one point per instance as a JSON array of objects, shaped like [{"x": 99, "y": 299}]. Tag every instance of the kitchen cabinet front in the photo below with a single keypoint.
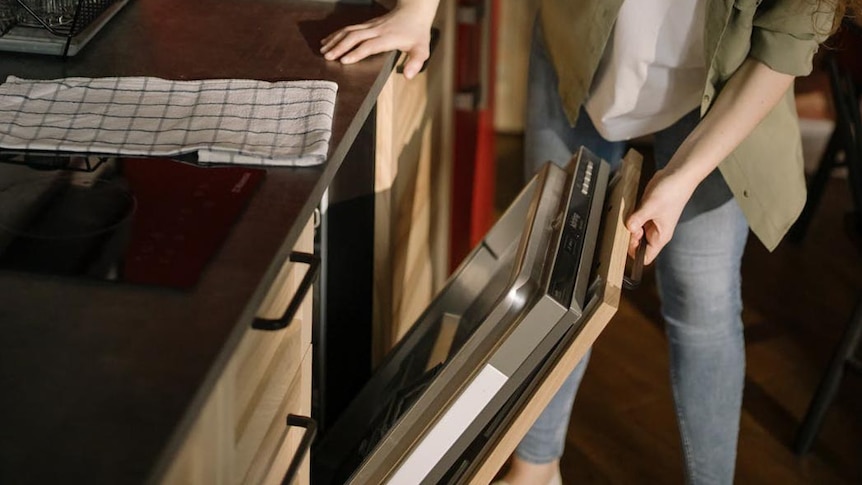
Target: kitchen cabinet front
[
  {"x": 241, "y": 434},
  {"x": 116, "y": 383},
  {"x": 108, "y": 380}
]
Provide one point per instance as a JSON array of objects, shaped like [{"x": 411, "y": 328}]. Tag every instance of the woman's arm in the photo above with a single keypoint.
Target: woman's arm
[
  {"x": 406, "y": 28},
  {"x": 750, "y": 93}
]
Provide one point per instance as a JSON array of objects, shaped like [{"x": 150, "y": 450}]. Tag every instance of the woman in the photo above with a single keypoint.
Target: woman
[{"x": 711, "y": 82}]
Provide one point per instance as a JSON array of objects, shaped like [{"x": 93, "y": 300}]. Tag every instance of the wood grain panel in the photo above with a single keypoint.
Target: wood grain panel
[
  {"x": 273, "y": 387},
  {"x": 412, "y": 179},
  {"x": 515, "y": 29},
  {"x": 207, "y": 454},
  {"x": 232, "y": 439},
  {"x": 281, "y": 442}
]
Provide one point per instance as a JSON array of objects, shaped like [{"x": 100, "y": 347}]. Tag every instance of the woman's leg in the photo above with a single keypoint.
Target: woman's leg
[
  {"x": 699, "y": 280},
  {"x": 550, "y": 137}
]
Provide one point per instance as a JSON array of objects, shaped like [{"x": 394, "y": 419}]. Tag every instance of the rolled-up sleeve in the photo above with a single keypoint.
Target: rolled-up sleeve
[{"x": 787, "y": 33}]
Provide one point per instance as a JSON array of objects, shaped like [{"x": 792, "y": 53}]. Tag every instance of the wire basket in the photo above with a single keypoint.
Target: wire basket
[
  {"x": 8, "y": 15},
  {"x": 63, "y": 19}
]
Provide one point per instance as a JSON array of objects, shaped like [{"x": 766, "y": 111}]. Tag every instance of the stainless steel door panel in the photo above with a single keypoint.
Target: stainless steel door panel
[
  {"x": 486, "y": 393},
  {"x": 480, "y": 391},
  {"x": 472, "y": 348},
  {"x": 460, "y": 461},
  {"x": 535, "y": 233}
]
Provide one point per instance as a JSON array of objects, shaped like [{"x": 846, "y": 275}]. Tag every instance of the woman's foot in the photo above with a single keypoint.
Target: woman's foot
[{"x": 525, "y": 473}]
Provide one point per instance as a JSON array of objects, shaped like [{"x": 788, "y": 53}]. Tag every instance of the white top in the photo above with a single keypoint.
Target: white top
[{"x": 653, "y": 69}]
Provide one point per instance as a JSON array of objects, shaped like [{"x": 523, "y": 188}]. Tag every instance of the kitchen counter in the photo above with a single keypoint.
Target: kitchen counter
[{"x": 97, "y": 380}]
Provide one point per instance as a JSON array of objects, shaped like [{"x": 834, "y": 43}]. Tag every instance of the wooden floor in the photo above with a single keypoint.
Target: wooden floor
[{"x": 797, "y": 301}]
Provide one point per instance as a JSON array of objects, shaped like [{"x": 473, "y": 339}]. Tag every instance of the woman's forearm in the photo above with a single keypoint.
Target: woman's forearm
[{"x": 746, "y": 99}]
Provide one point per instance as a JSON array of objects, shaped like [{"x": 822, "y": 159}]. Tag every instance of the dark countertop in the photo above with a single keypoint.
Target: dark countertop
[{"x": 97, "y": 380}]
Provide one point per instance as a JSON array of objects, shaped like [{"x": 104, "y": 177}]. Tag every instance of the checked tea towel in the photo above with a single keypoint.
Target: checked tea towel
[{"x": 285, "y": 123}]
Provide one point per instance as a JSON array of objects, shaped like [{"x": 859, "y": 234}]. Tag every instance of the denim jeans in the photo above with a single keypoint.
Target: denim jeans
[{"x": 698, "y": 275}]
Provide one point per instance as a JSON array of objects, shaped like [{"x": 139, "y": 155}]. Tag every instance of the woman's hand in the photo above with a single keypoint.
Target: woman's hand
[
  {"x": 750, "y": 93},
  {"x": 656, "y": 217},
  {"x": 406, "y": 28}
]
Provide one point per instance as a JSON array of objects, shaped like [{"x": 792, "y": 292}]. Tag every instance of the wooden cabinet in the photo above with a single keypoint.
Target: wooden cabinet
[
  {"x": 413, "y": 170},
  {"x": 240, "y": 434},
  {"x": 514, "y": 35}
]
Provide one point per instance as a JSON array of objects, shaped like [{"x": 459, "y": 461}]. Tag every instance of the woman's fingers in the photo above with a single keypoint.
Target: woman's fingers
[
  {"x": 331, "y": 40},
  {"x": 354, "y": 45},
  {"x": 347, "y": 43},
  {"x": 642, "y": 231},
  {"x": 648, "y": 233},
  {"x": 654, "y": 241},
  {"x": 368, "y": 47},
  {"x": 658, "y": 212},
  {"x": 405, "y": 29},
  {"x": 636, "y": 233},
  {"x": 416, "y": 58},
  {"x": 334, "y": 38},
  {"x": 652, "y": 224}
]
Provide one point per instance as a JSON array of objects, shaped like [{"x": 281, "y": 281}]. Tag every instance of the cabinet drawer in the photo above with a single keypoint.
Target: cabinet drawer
[
  {"x": 254, "y": 355},
  {"x": 281, "y": 443},
  {"x": 277, "y": 384},
  {"x": 267, "y": 361},
  {"x": 233, "y": 427},
  {"x": 287, "y": 283},
  {"x": 249, "y": 396}
]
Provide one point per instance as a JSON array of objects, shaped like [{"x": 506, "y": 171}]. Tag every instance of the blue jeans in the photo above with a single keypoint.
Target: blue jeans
[{"x": 699, "y": 282}]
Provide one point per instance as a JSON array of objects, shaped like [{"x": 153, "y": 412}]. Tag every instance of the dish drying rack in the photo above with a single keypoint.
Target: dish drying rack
[{"x": 27, "y": 26}]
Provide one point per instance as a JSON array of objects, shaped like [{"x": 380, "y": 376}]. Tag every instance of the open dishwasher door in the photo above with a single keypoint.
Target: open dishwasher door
[{"x": 478, "y": 343}]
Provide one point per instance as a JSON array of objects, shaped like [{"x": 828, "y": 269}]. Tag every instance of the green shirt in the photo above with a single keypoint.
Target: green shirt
[{"x": 765, "y": 173}]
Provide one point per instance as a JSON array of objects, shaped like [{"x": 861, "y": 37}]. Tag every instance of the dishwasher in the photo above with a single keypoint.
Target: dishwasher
[{"x": 429, "y": 411}]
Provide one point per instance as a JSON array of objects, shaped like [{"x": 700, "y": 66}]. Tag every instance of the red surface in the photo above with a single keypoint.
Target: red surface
[
  {"x": 474, "y": 159},
  {"x": 183, "y": 213}
]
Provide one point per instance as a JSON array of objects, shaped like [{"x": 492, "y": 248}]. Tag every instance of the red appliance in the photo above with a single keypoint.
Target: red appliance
[{"x": 473, "y": 171}]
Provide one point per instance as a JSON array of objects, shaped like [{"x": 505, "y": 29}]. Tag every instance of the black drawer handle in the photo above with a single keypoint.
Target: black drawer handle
[
  {"x": 313, "y": 263},
  {"x": 304, "y": 444}
]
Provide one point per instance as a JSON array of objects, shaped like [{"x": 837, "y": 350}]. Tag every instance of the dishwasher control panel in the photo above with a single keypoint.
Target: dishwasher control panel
[{"x": 577, "y": 241}]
